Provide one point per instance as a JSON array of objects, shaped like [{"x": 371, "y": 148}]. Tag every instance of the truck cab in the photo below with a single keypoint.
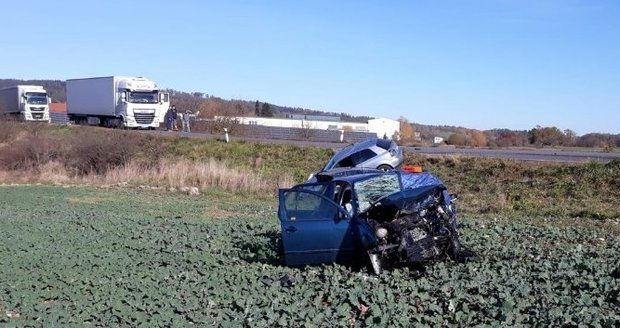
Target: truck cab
[
  {"x": 25, "y": 102},
  {"x": 116, "y": 101},
  {"x": 36, "y": 105},
  {"x": 141, "y": 104}
]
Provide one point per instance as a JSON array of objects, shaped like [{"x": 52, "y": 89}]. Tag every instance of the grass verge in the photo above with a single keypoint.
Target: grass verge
[{"x": 103, "y": 156}]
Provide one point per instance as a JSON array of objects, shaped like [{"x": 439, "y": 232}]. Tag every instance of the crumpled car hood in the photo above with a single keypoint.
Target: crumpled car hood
[
  {"x": 416, "y": 186},
  {"x": 419, "y": 180}
]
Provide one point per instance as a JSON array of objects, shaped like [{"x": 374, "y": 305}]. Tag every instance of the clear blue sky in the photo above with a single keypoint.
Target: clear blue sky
[{"x": 479, "y": 64}]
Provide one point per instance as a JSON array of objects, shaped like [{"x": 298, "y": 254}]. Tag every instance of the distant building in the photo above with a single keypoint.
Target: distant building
[
  {"x": 58, "y": 107},
  {"x": 437, "y": 140},
  {"x": 382, "y": 127}
]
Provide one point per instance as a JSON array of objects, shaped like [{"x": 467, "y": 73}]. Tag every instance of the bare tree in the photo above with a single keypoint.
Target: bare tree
[{"x": 307, "y": 129}]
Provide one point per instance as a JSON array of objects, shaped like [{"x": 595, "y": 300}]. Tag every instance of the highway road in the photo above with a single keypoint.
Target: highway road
[{"x": 542, "y": 155}]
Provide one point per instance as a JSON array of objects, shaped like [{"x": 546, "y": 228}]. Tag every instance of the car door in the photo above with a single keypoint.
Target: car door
[{"x": 314, "y": 228}]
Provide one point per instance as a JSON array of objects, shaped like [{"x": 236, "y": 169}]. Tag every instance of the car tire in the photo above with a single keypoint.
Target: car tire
[{"x": 384, "y": 167}]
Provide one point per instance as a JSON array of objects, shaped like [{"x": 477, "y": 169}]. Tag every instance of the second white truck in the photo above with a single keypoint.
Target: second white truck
[
  {"x": 116, "y": 101},
  {"x": 25, "y": 102}
]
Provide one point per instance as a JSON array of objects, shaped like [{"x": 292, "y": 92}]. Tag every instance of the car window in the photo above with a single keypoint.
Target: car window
[
  {"x": 347, "y": 197},
  {"x": 306, "y": 206},
  {"x": 332, "y": 162},
  {"x": 371, "y": 190},
  {"x": 362, "y": 156},
  {"x": 346, "y": 162},
  {"x": 315, "y": 188},
  {"x": 384, "y": 143},
  {"x": 342, "y": 193}
]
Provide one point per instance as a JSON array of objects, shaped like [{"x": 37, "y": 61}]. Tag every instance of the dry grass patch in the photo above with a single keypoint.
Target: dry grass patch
[
  {"x": 181, "y": 173},
  {"x": 218, "y": 213},
  {"x": 165, "y": 173},
  {"x": 84, "y": 200}
]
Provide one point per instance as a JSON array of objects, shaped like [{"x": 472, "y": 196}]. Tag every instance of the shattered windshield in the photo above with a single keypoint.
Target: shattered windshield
[
  {"x": 371, "y": 190},
  {"x": 37, "y": 98},
  {"x": 144, "y": 97}
]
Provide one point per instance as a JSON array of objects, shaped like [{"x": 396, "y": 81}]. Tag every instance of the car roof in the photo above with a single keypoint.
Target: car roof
[{"x": 353, "y": 148}]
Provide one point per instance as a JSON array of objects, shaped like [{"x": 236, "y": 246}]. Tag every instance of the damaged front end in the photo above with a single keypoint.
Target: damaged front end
[{"x": 415, "y": 226}]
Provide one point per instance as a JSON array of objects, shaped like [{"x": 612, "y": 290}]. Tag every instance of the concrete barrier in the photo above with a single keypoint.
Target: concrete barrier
[{"x": 283, "y": 133}]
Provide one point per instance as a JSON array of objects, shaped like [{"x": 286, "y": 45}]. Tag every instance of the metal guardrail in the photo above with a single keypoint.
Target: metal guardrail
[{"x": 59, "y": 118}]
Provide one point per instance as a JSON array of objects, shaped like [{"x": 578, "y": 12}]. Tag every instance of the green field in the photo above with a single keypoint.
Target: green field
[{"x": 109, "y": 257}]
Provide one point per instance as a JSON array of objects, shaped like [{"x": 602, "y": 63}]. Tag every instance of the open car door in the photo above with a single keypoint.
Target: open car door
[{"x": 314, "y": 229}]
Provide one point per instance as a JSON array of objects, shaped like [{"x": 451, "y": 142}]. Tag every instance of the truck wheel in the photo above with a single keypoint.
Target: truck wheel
[{"x": 114, "y": 123}]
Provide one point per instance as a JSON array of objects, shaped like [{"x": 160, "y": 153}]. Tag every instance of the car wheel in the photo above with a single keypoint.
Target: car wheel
[{"x": 384, "y": 167}]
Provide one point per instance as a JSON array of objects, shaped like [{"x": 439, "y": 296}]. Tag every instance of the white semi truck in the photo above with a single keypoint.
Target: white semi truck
[
  {"x": 25, "y": 102},
  {"x": 116, "y": 101}
]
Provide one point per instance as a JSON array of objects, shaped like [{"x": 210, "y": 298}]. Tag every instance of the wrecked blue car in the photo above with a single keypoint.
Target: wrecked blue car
[{"x": 383, "y": 219}]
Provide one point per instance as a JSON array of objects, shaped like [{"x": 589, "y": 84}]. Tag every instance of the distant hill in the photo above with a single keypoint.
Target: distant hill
[{"x": 210, "y": 106}]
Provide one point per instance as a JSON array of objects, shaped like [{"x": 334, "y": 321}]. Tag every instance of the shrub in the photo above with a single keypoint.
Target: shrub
[
  {"x": 457, "y": 139},
  {"x": 8, "y": 130},
  {"x": 609, "y": 148},
  {"x": 217, "y": 126},
  {"x": 29, "y": 152},
  {"x": 97, "y": 153}
]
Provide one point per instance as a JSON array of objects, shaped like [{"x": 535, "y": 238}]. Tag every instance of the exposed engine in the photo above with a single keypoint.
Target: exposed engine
[{"x": 418, "y": 230}]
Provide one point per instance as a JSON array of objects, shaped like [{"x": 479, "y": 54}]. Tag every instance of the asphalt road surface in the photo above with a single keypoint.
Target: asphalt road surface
[{"x": 543, "y": 155}]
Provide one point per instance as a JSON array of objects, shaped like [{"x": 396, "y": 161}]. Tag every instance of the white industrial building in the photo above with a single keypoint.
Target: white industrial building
[{"x": 380, "y": 126}]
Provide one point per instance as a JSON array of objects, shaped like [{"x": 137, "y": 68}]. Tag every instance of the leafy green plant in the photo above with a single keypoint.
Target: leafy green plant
[{"x": 121, "y": 257}]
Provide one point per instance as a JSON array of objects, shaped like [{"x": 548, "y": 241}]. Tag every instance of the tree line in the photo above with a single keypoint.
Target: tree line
[
  {"x": 411, "y": 133},
  {"x": 418, "y": 134}
]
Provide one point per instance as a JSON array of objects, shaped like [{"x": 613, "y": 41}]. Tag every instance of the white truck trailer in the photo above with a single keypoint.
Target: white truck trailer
[
  {"x": 25, "y": 102},
  {"x": 116, "y": 101}
]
